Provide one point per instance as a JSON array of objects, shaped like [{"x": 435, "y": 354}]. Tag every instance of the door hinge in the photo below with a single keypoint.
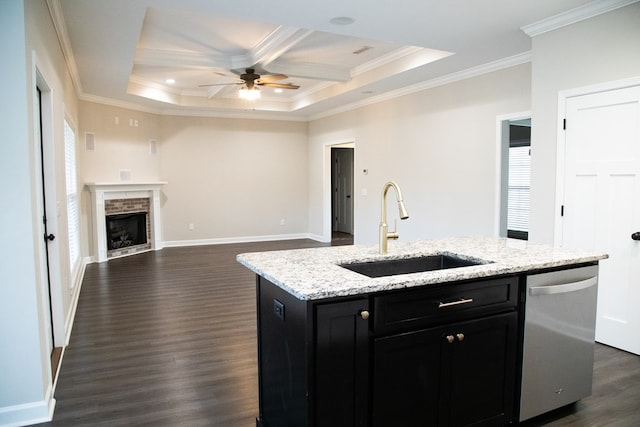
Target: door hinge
[{"x": 564, "y": 124}]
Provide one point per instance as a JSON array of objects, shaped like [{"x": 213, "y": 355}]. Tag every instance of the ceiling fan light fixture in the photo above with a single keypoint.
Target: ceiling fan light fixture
[{"x": 250, "y": 94}]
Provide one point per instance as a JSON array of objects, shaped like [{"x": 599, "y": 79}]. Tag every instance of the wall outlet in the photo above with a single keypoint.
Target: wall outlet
[
  {"x": 278, "y": 309},
  {"x": 191, "y": 226}
]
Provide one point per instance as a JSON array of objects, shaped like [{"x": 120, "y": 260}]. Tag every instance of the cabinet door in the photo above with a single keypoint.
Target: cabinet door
[
  {"x": 452, "y": 375},
  {"x": 481, "y": 380},
  {"x": 342, "y": 364},
  {"x": 406, "y": 374}
]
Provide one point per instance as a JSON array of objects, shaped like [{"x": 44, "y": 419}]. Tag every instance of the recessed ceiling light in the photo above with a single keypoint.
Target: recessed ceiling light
[
  {"x": 277, "y": 90},
  {"x": 342, "y": 20},
  {"x": 170, "y": 81}
]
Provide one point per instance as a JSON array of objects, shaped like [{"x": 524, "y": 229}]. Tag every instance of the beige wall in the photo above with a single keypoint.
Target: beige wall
[
  {"x": 439, "y": 145},
  {"x": 595, "y": 51},
  {"x": 232, "y": 179}
]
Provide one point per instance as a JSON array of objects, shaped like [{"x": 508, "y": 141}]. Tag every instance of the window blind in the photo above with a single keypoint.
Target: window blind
[
  {"x": 73, "y": 222},
  {"x": 519, "y": 188}
]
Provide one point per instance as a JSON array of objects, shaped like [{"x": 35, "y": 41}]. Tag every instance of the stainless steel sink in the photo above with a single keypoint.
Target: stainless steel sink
[{"x": 392, "y": 267}]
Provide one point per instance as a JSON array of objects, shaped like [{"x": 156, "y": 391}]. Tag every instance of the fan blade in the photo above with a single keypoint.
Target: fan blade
[
  {"x": 271, "y": 78},
  {"x": 280, "y": 85},
  {"x": 222, "y": 84}
]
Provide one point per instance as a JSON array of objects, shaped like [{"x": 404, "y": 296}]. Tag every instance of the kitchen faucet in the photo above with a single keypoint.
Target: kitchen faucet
[{"x": 385, "y": 235}]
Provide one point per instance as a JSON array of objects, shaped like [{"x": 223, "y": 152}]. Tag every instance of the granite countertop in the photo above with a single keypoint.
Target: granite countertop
[{"x": 315, "y": 273}]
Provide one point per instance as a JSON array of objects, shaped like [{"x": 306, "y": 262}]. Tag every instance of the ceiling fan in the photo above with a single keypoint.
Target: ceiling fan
[{"x": 250, "y": 81}]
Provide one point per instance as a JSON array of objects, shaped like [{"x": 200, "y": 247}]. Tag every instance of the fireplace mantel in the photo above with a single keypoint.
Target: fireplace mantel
[{"x": 101, "y": 191}]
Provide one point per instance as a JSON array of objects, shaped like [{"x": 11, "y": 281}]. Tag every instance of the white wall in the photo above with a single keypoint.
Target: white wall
[
  {"x": 598, "y": 50},
  {"x": 438, "y": 144}
]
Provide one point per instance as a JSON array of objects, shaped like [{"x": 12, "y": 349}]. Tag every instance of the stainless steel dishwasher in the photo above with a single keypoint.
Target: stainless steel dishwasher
[{"x": 559, "y": 336}]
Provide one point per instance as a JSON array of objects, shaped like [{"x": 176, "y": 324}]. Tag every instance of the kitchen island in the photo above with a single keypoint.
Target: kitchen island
[{"x": 440, "y": 347}]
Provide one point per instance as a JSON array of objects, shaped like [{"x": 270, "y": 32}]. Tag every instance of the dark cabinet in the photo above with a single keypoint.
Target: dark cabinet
[
  {"x": 313, "y": 360},
  {"x": 437, "y": 356},
  {"x": 342, "y": 364},
  {"x": 453, "y": 375}
]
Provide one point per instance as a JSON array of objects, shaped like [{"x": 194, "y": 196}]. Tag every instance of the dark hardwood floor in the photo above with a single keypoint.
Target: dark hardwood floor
[{"x": 168, "y": 338}]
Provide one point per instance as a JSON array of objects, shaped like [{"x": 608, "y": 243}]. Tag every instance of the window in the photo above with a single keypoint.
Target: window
[
  {"x": 73, "y": 224},
  {"x": 519, "y": 182}
]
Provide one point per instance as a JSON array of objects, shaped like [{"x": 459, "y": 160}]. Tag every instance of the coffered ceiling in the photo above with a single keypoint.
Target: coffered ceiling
[{"x": 186, "y": 57}]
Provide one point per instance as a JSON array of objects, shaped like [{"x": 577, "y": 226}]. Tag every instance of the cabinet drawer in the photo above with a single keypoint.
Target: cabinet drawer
[{"x": 424, "y": 307}]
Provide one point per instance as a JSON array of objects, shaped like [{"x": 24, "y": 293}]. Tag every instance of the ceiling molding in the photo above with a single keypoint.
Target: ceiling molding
[
  {"x": 310, "y": 70},
  {"x": 385, "y": 59},
  {"x": 165, "y": 57},
  {"x": 252, "y": 114},
  {"x": 278, "y": 42},
  {"x": 595, "y": 8},
  {"x": 490, "y": 67},
  {"x": 55, "y": 11}
]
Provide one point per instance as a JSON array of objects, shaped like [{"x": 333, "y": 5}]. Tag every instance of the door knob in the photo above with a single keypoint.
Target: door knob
[
  {"x": 636, "y": 235},
  {"x": 364, "y": 314},
  {"x": 49, "y": 237}
]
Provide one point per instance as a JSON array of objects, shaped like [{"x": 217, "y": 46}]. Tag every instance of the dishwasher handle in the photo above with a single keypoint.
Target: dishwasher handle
[{"x": 563, "y": 288}]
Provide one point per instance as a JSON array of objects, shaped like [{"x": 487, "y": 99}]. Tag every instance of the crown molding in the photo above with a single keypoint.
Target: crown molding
[
  {"x": 490, "y": 67},
  {"x": 55, "y": 11},
  {"x": 589, "y": 10}
]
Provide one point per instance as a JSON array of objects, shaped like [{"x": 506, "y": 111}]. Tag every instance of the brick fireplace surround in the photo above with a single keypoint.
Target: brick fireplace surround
[{"x": 108, "y": 198}]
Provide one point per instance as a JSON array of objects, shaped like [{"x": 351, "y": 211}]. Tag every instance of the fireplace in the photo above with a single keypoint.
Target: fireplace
[
  {"x": 126, "y": 218},
  {"x": 126, "y": 230}
]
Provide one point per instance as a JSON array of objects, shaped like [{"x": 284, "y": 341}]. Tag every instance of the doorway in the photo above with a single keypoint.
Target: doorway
[
  {"x": 599, "y": 197},
  {"x": 515, "y": 176},
  {"x": 342, "y": 200},
  {"x": 49, "y": 255}
]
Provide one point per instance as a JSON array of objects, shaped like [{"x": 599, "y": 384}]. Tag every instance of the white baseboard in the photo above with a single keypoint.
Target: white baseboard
[
  {"x": 247, "y": 239},
  {"x": 74, "y": 299},
  {"x": 28, "y": 413}
]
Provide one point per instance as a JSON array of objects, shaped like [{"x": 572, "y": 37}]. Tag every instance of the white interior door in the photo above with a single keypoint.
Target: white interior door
[{"x": 602, "y": 204}]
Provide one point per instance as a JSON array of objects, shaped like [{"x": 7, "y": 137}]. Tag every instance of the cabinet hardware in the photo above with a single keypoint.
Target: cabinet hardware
[
  {"x": 364, "y": 314},
  {"x": 460, "y": 336},
  {"x": 450, "y": 339},
  {"x": 457, "y": 302}
]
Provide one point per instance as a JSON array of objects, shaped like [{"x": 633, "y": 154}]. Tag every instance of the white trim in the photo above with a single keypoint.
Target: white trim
[
  {"x": 244, "y": 239},
  {"x": 589, "y": 10},
  {"x": 490, "y": 67},
  {"x": 563, "y": 96},
  {"x": 57, "y": 18},
  {"x": 28, "y": 413},
  {"x": 326, "y": 185},
  {"x": 101, "y": 191},
  {"x": 74, "y": 298}
]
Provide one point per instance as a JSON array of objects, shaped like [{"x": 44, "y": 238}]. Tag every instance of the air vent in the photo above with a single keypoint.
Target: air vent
[{"x": 90, "y": 141}]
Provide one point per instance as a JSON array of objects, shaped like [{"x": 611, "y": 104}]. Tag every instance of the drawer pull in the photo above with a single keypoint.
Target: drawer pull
[{"x": 457, "y": 302}]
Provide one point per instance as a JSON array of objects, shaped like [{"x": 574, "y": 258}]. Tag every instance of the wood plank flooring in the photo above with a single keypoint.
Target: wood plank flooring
[{"x": 168, "y": 338}]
